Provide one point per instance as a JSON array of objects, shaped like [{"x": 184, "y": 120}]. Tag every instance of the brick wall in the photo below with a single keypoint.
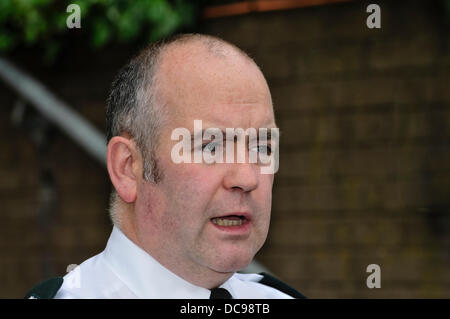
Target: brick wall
[
  {"x": 365, "y": 162},
  {"x": 365, "y": 166},
  {"x": 40, "y": 237}
]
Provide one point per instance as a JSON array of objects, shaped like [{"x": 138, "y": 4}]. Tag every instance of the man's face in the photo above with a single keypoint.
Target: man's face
[{"x": 175, "y": 215}]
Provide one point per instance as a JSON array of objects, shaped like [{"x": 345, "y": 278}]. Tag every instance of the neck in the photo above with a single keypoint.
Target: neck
[{"x": 197, "y": 275}]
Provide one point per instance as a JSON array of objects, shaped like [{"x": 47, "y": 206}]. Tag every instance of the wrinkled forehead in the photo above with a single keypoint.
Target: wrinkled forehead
[{"x": 200, "y": 81}]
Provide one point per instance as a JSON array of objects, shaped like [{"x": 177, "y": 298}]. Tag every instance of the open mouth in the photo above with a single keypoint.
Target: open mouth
[{"x": 231, "y": 220}]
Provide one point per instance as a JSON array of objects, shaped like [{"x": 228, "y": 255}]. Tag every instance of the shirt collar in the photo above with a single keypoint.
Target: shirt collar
[{"x": 145, "y": 276}]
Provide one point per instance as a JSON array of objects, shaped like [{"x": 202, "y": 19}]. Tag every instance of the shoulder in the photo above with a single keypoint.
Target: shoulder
[
  {"x": 261, "y": 286},
  {"x": 82, "y": 281},
  {"x": 93, "y": 279},
  {"x": 275, "y": 283},
  {"x": 46, "y": 289}
]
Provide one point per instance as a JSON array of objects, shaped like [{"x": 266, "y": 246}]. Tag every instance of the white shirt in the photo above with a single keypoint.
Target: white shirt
[{"x": 124, "y": 270}]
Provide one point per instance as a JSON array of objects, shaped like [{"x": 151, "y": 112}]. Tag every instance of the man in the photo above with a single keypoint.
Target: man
[{"x": 181, "y": 230}]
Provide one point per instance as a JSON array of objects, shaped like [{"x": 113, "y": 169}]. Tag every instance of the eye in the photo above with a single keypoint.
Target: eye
[
  {"x": 210, "y": 147},
  {"x": 263, "y": 148}
]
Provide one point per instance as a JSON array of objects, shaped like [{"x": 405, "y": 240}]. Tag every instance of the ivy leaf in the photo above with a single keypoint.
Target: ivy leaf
[
  {"x": 6, "y": 40},
  {"x": 102, "y": 33},
  {"x": 35, "y": 24},
  {"x": 39, "y": 22}
]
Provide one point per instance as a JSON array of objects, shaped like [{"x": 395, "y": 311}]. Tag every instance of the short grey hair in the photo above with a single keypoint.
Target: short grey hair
[{"x": 132, "y": 108}]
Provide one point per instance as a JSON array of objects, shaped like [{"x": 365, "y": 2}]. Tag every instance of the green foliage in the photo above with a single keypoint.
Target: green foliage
[
  {"x": 43, "y": 22},
  {"x": 447, "y": 6}
]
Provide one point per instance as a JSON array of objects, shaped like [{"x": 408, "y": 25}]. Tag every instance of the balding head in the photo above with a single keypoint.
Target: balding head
[
  {"x": 213, "y": 45},
  {"x": 203, "y": 67},
  {"x": 134, "y": 106}
]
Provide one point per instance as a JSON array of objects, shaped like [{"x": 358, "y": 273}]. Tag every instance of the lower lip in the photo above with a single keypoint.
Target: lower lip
[{"x": 236, "y": 229}]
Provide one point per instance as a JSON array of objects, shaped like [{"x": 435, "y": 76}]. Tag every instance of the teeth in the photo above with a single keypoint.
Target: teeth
[{"x": 227, "y": 222}]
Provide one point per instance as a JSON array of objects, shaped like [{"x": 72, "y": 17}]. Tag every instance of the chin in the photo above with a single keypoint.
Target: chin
[{"x": 232, "y": 263}]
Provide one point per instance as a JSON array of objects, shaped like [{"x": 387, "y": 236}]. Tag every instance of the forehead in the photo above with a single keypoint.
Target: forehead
[{"x": 222, "y": 87}]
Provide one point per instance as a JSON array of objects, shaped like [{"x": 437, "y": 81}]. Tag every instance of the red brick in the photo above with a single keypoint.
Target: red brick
[
  {"x": 326, "y": 61},
  {"x": 367, "y": 92},
  {"x": 421, "y": 51}
]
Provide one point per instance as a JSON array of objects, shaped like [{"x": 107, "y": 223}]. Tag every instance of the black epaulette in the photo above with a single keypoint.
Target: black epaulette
[
  {"x": 273, "y": 282},
  {"x": 46, "y": 289}
]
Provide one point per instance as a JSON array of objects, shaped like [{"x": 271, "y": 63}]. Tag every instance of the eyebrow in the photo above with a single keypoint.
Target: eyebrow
[{"x": 269, "y": 133}]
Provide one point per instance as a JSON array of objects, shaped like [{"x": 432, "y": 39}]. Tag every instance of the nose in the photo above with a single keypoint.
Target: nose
[{"x": 243, "y": 176}]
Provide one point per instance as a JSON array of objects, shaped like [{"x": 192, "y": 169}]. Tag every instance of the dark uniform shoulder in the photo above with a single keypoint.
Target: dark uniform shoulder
[
  {"x": 273, "y": 282},
  {"x": 46, "y": 289}
]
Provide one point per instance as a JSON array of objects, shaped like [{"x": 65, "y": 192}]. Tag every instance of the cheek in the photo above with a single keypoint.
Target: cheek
[
  {"x": 184, "y": 182},
  {"x": 264, "y": 199},
  {"x": 150, "y": 207},
  {"x": 265, "y": 189},
  {"x": 188, "y": 196},
  {"x": 189, "y": 189},
  {"x": 188, "y": 185}
]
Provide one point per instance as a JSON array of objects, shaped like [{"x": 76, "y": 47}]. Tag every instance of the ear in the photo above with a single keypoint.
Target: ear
[{"x": 124, "y": 166}]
